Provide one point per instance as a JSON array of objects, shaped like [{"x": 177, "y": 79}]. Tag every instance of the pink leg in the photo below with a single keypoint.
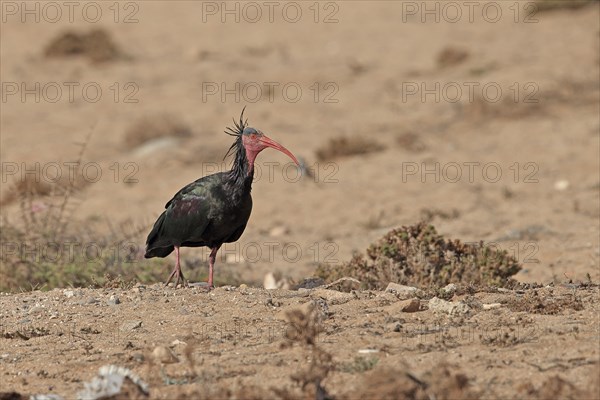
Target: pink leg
[
  {"x": 211, "y": 265},
  {"x": 176, "y": 270}
]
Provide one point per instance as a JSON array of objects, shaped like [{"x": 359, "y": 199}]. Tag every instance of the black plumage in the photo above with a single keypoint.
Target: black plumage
[{"x": 214, "y": 209}]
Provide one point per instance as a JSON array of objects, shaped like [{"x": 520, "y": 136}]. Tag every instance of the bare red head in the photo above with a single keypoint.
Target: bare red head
[{"x": 255, "y": 141}]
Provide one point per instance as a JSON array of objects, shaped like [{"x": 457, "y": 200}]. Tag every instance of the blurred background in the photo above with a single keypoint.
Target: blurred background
[{"x": 480, "y": 118}]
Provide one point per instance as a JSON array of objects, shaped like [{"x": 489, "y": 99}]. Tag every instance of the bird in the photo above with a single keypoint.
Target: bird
[{"x": 213, "y": 209}]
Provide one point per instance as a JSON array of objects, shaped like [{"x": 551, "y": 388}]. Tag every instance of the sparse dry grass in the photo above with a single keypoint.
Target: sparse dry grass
[
  {"x": 344, "y": 146},
  {"x": 411, "y": 141},
  {"x": 551, "y": 5},
  {"x": 33, "y": 187},
  {"x": 450, "y": 56},
  {"x": 154, "y": 127},
  {"x": 46, "y": 246},
  {"x": 97, "y": 45}
]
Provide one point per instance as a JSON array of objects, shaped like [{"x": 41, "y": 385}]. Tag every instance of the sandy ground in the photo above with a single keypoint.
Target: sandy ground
[{"x": 488, "y": 122}]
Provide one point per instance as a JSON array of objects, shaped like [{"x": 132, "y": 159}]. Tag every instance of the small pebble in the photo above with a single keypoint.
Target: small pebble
[
  {"x": 278, "y": 231},
  {"x": 368, "y": 351},
  {"x": 269, "y": 281},
  {"x": 130, "y": 325},
  {"x": 561, "y": 185},
  {"x": 491, "y": 306},
  {"x": 449, "y": 288},
  {"x": 410, "y": 306},
  {"x": 35, "y": 310},
  {"x": 164, "y": 355}
]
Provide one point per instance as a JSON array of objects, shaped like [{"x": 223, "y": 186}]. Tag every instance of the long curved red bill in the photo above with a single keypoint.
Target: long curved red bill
[{"x": 273, "y": 144}]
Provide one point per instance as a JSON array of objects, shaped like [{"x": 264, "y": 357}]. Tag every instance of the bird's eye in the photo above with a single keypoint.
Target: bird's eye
[{"x": 253, "y": 136}]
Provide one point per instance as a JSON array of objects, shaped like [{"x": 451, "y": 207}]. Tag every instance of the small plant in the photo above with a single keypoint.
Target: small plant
[
  {"x": 347, "y": 146},
  {"x": 417, "y": 255},
  {"x": 306, "y": 328},
  {"x": 45, "y": 246},
  {"x": 360, "y": 364}
]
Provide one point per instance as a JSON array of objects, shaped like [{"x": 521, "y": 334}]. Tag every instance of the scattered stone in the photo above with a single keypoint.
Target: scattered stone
[
  {"x": 410, "y": 305},
  {"x": 491, "y": 306},
  {"x": 139, "y": 288},
  {"x": 46, "y": 397},
  {"x": 333, "y": 297},
  {"x": 368, "y": 351},
  {"x": 113, "y": 300},
  {"x": 269, "y": 282},
  {"x": 278, "y": 231},
  {"x": 450, "y": 288},
  {"x": 402, "y": 290},
  {"x": 35, "y": 310},
  {"x": 69, "y": 293},
  {"x": 344, "y": 281},
  {"x": 272, "y": 303},
  {"x": 114, "y": 382},
  {"x": 130, "y": 325},
  {"x": 448, "y": 307},
  {"x": 164, "y": 355},
  {"x": 88, "y": 300},
  {"x": 309, "y": 283},
  {"x": 561, "y": 185}
]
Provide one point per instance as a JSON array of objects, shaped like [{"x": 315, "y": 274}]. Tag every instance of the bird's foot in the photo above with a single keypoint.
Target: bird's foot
[
  {"x": 202, "y": 285},
  {"x": 177, "y": 272}
]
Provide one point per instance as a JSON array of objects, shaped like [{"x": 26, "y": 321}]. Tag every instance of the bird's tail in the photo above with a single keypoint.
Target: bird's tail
[{"x": 153, "y": 245}]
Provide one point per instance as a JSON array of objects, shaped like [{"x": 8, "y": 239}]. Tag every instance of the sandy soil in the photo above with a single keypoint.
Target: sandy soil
[{"x": 386, "y": 72}]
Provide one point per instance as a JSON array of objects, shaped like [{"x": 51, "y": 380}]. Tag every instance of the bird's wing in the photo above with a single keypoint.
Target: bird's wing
[
  {"x": 195, "y": 187},
  {"x": 189, "y": 212}
]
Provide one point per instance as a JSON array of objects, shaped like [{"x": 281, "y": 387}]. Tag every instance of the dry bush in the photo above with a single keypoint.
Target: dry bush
[
  {"x": 556, "y": 387},
  {"x": 347, "y": 146},
  {"x": 411, "y": 141},
  {"x": 544, "y": 303},
  {"x": 154, "y": 127},
  {"x": 550, "y": 5},
  {"x": 32, "y": 186},
  {"x": 531, "y": 100},
  {"x": 45, "y": 245},
  {"x": 450, "y": 56},
  {"x": 51, "y": 248},
  {"x": 416, "y": 255},
  {"x": 97, "y": 45},
  {"x": 306, "y": 326},
  {"x": 444, "y": 381}
]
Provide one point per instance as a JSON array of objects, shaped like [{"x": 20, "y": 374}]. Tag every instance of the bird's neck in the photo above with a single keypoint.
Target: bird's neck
[{"x": 242, "y": 172}]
